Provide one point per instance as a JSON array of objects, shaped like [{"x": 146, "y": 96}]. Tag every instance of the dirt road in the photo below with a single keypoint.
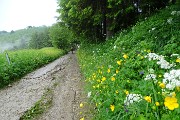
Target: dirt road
[{"x": 67, "y": 95}]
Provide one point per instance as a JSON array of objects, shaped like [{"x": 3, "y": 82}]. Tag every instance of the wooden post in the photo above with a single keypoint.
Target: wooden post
[{"x": 7, "y": 58}]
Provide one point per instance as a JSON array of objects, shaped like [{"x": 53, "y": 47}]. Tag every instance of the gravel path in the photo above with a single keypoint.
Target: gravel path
[{"x": 15, "y": 100}]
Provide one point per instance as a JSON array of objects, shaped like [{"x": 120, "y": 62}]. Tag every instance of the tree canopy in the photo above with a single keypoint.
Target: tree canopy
[
  {"x": 61, "y": 36},
  {"x": 40, "y": 39},
  {"x": 100, "y": 19}
]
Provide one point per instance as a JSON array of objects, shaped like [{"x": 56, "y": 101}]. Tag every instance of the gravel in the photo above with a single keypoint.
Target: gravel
[{"x": 67, "y": 95}]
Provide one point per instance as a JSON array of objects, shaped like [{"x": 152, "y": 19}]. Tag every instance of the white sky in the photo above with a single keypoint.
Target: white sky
[{"x": 18, "y": 14}]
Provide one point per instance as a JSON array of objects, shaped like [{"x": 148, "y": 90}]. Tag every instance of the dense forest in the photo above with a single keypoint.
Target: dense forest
[{"x": 98, "y": 20}]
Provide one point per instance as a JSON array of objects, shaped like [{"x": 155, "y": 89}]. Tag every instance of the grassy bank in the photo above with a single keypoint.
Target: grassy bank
[
  {"x": 15, "y": 64},
  {"x": 136, "y": 75}
]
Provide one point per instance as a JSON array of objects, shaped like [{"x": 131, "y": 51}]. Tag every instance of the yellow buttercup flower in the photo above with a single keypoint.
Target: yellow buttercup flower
[
  {"x": 112, "y": 107},
  {"x": 117, "y": 71},
  {"x": 109, "y": 70},
  {"x": 117, "y": 91},
  {"x": 125, "y": 56},
  {"x": 148, "y": 99},
  {"x": 103, "y": 79},
  {"x": 126, "y": 92},
  {"x": 119, "y": 62},
  {"x": 157, "y": 104},
  {"x": 82, "y": 118},
  {"x": 81, "y": 105},
  {"x": 178, "y": 60},
  {"x": 171, "y": 103},
  {"x": 112, "y": 78},
  {"x": 162, "y": 85}
]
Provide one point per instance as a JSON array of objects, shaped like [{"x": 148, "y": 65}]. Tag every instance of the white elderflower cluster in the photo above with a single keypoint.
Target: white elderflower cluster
[
  {"x": 150, "y": 77},
  {"x": 131, "y": 98},
  {"x": 172, "y": 79},
  {"x": 164, "y": 64},
  {"x": 152, "y": 56},
  {"x": 174, "y": 55},
  {"x": 175, "y": 13},
  {"x": 89, "y": 94},
  {"x": 169, "y": 20},
  {"x": 160, "y": 60}
]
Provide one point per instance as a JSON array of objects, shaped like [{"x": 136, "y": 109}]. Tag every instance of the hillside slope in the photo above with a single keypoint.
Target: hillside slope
[
  {"x": 136, "y": 75},
  {"x": 18, "y": 38}
]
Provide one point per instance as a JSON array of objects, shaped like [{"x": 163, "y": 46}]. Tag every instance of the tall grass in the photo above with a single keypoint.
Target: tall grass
[{"x": 23, "y": 62}]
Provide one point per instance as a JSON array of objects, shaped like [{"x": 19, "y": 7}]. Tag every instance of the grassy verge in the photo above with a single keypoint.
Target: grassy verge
[
  {"x": 136, "y": 75},
  {"x": 22, "y": 62},
  {"x": 40, "y": 106}
]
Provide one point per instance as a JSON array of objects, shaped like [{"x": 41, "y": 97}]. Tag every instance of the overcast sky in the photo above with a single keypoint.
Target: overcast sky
[{"x": 18, "y": 14}]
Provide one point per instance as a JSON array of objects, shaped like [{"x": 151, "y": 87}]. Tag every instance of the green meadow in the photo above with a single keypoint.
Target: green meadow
[{"x": 136, "y": 74}]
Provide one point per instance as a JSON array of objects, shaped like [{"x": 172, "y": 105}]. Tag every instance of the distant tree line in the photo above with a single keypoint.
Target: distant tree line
[
  {"x": 57, "y": 36},
  {"x": 30, "y": 37},
  {"x": 40, "y": 39}
]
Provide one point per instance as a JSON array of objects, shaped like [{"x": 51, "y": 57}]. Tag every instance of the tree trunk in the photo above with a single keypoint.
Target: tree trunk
[{"x": 109, "y": 33}]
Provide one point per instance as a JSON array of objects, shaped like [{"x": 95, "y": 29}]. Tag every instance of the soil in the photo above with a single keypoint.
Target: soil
[{"x": 67, "y": 94}]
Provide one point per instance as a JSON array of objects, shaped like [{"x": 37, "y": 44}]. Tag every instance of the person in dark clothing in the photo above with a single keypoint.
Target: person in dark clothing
[{"x": 73, "y": 48}]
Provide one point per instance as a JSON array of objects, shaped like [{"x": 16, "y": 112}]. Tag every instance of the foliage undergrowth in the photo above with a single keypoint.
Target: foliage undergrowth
[
  {"x": 136, "y": 75},
  {"x": 22, "y": 62},
  {"x": 39, "y": 107}
]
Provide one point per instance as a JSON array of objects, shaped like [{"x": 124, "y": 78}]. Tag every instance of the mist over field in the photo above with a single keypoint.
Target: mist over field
[
  {"x": 7, "y": 46},
  {"x": 18, "y": 39},
  {"x": 4, "y": 47},
  {"x": 14, "y": 44}
]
